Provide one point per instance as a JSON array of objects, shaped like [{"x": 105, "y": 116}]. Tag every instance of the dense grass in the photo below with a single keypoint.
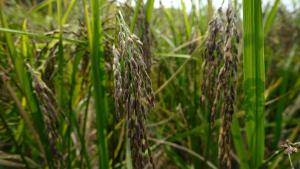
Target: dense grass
[{"x": 75, "y": 88}]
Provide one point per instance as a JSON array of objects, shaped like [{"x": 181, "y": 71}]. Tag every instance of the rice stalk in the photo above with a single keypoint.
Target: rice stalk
[
  {"x": 98, "y": 76},
  {"x": 227, "y": 81},
  {"x": 133, "y": 92},
  {"x": 49, "y": 107},
  {"x": 186, "y": 21},
  {"x": 24, "y": 79},
  {"x": 269, "y": 19},
  {"x": 221, "y": 59},
  {"x": 135, "y": 15},
  {"x": 254, "y": 79},
  {"x": 212, "y": 58}
]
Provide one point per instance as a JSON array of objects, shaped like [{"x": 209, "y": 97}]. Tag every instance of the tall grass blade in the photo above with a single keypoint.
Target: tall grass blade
[
  {"x": 186, "y": 20},
  {"x": 98, "y": 73},
  {"x": 135, "y": 15},
  {"x": 171, "y": 23},
  {"x": 149, "y": 10},
  {"x": 210, "y": 10},
  {"x": 61, "y": 93},
  {"x": 254, "y": 79},
  {"x": 270, "y": 17},
  {"x": 67, "y": 14},
  {"x": 239, "y": 143}
]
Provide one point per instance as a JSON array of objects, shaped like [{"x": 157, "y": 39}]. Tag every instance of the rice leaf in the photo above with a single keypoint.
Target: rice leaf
[
  {"x": 98, "y": 73},
  {"x": 254, "y": 79}
]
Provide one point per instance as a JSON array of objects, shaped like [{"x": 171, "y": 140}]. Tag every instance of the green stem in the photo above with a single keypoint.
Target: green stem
[
  {"x": 254, "y": 79},
  {"x": 135, "y": 15},
  {"x": 98, "y": 74}
]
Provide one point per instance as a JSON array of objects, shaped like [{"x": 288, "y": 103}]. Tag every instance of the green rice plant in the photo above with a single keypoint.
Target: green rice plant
[
  {"x": 60, "y": 77},
  {"x": 149, "y": 10},
  {"x": 18, "y": 146},
  {"x": 39, "y": 36},
  {"x": 133, "y": 92},
  {"x": 254, "y": 80},
  {"x": 137, "y": 9},
  {"x": 270, "y": 17},
  {"x": 72, "y": 115},
  {"x": 98, "y": 76},
  {"x": 239, "y": 143},
  {"x": 171, "y": 23},
  {"x": 210, "y": 11},
  {"x": 59, "y": 93},
  {"x": 24, "y": 79},
  {"x": 282, "y": 102},
  {"x": 186, "y": 20},
  {"x": 68, "y": 11}
]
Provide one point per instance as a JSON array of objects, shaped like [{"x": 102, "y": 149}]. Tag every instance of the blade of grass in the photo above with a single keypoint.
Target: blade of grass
[
  {"x": 210, "y": 10},
  {"x": 50, "y": 8},
  {"x": 239, "y": 143},
  {"x": 98, "y": 74},
  {"x": 40, "y": 36},
  {"x": 87, "y": 22},
  {"x": 61, "y": 95},
  {"x": 135, "y": 15},
  {"x": 186, "y": 20},
  {"x": 254, "y": 79},
  {"x": 270, "y": 17},
  {"x": 149, "y": 10},
  {"x": 171, "y": 23},
  {"x": 67, "y": 14},
  {"x": 128, "y": 151}
]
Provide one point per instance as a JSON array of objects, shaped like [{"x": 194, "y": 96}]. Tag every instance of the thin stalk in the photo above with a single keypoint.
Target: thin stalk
[
  {"x": 60, "y": 79},
  {"x": 135, "y": 15},
  {"x": 87, "y": 22},
  {"x": 40, "y": 36},
  {"x": 239, "y": 143},
  {"x": 67, "y": 14},
  {"x": 254, "y": 79},
  {"x": 186, "y": 21},
  {"x": 209, "y": 11},
  {"x": 85, "y": 122},
  {"x": 149, "y": 10},
  {"x": 270, "y": 17},
  {"x": 128, "y": 150},
  {"x": 171, "y": 23},
  {"x": 61, "y": 95},
  {"x": 50, "y": 9},
  {"x": 98, "y": 74}
]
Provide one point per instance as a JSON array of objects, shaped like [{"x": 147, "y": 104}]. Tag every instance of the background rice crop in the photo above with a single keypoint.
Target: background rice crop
[{"x": 109, "y": 84}]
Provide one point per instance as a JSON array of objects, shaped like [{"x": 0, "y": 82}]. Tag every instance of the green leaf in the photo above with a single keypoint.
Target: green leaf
[
  {"x": 270, "y": 17},
  {"x": 254, "y": 79},
  {"x": 149, "y": 10},
  {"x": 98, "y": 73}
]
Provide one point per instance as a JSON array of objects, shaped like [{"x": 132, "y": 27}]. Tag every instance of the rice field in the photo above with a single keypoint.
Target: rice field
[{"x": 107, "y": 84}]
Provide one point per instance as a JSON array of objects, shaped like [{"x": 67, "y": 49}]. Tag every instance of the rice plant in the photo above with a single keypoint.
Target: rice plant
[{"x": 149, "y": 84}]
